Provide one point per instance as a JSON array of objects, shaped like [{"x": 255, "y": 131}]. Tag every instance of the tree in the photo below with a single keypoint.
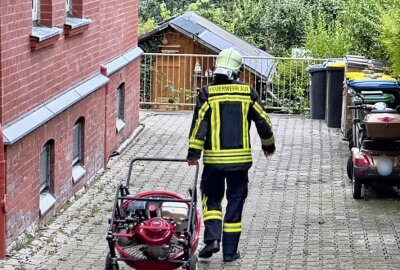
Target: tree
[
  {"x": 362, "y": 19},
  {"x": 284, "y": 24},
  {"x": 390, "y": 37},
  {"x": 326, "y": 41}
]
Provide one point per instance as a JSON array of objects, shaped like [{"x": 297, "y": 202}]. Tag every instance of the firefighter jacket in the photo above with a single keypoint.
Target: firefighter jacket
[{"x": 221, "y": 126}]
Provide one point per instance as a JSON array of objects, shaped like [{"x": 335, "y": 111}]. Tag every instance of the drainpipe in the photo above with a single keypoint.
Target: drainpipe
[
  {"x": 3, "y": 209},
  {"x": 103, "y": 71}
]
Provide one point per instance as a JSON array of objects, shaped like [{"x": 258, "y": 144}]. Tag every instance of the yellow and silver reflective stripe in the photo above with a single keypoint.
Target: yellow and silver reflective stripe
[
  {"x": 200, "y": 118},
  {"x": 233, "y": 227},
  {"x": 245, "y": 125},
  {"x": 215, "y": 125},
  {"x": 196, "y": 144},
  {"x": 227, "y": 152},
  {"x": 227, "y": 160},
  {"x": 204, "y": 203},
  {"x": 229, "y": 88},
  {"x": 262, "y": 113},
  {"x": 212, "y": 215},
  {"x": 267, "y": 142},
  {"x": 230, "y": 98}
]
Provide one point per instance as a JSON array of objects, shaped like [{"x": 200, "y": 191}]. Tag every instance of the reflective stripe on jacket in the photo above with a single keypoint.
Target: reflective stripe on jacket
[{"x": 221, "y": 124}]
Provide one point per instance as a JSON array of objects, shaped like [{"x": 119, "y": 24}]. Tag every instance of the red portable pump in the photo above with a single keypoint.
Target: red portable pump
[{"x": 154, "y": 229}]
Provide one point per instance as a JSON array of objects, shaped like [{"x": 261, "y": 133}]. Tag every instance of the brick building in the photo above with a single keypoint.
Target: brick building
[{"x": 69, "y": 95}]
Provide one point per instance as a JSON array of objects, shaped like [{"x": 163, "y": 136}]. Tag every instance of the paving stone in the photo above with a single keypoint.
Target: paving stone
[{"x": 300, "y": 213}]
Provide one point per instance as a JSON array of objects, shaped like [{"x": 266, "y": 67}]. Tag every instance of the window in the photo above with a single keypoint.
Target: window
[
  {"x": 47, "y": 199},
  {"x": 43, "y": 33},
  {"x": 78, "y": 143},
  {"x": 68, "y": 7},
  {"x": 35, "y": 11},
  {"x": 120, "y": 107},
  {"x": 75, "y": 23},
  {"x": 45, "y": 167},
  {"x": 78, "y": 171}
]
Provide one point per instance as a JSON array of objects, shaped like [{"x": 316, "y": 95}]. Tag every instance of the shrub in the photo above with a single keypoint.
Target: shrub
[{"x": 390, "y": 38}]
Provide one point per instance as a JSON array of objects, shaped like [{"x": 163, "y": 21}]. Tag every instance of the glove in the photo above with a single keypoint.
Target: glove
[
  {"x": 191, "y": 162},
  {"x": 269, "y": 151}
]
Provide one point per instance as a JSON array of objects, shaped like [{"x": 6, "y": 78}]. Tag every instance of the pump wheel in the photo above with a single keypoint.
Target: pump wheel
[
  {"x": 350, "y": 167},
  {"x": 109, "y": 263},
  {"x": 192, "y": 263}
]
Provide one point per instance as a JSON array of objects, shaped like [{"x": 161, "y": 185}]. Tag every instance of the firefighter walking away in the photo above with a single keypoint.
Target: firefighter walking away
[{"x": 221, "y": 130}]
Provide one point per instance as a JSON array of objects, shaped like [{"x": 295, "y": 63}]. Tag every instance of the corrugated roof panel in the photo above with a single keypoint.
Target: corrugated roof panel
[
  {"x": 229, "y": 37},
  {"x": 188, "y": 25},
  {"x": 261, "y": 66},
  {"x": 216, "y": 41}
]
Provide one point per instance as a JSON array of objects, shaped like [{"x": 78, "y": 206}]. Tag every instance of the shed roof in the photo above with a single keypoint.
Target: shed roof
[{"x": 216, "y": 38}]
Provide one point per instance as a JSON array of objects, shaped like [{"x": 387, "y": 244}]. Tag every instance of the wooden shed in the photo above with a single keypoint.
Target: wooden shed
[{"x": 180, "y": 57}]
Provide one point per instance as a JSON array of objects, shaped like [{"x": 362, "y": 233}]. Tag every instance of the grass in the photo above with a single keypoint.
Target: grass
[{"x": 24, "y": 243}]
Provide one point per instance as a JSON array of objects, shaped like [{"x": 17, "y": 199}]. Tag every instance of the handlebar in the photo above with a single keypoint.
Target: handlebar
[{"x": 362, "y": 107}]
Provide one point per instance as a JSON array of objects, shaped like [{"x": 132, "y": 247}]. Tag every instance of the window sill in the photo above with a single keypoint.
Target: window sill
[
  {"x": 47, "y": 201},
  {"x": 43, "y": 37},
  {"x": 77, "y": 172},
  {"x": 75, "y": 26},
  {"x": 120, "y": 124}
]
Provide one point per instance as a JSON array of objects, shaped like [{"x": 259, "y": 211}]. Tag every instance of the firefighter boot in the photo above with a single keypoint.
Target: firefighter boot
[
  {"x": 231, "y": 258},
  {"x": 230, "y": 242},
  {"x": 210, "y": 248}
]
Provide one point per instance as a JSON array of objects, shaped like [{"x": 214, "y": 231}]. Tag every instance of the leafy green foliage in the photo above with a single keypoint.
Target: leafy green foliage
[
  {"x": 361, "y": 19},
  {"x": 291, "y": 83},
  {"x": 147, "y": 26},
  {"x": 326, "y": 41},
  {"x": 284, "y": 24},
  {"x": 328, "y": 28},
  {"x": 390, "y": 37}
]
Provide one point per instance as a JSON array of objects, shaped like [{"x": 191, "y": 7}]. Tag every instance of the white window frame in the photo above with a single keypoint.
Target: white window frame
[
  {"x": 78, "y": 171},
  {"x": 47, "y": 199},
  {"x": 120, "y": 107},
  {"x": 121, "y": 102},
  {"x": 45, "y": 167},
  {"x": 35, "y": 10},
  {"x": 77, "y": 143},
  {"x": 68, "y": 7}
]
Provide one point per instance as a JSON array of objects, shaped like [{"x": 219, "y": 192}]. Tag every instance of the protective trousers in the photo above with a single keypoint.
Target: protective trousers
[{"x": 213, "y": 189}]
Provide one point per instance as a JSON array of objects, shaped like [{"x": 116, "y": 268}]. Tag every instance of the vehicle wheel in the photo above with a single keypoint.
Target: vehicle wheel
[
  {"x": 350, "y": 167},
  {"x": 109, "y": 264},
  {"x": 192, "y": 263},
  {"x": 357, "y": 187}
]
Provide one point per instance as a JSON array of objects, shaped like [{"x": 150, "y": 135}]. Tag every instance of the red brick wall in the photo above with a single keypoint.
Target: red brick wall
[
  {"x": 23, "y": 161},
  {"x": 131, "y": 77},
  {"x": 115, "y": 38},
  {"x": 30, "y": 78}
]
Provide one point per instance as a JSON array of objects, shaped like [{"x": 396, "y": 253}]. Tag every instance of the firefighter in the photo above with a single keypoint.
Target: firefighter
[{"x": 220, "y": 129}]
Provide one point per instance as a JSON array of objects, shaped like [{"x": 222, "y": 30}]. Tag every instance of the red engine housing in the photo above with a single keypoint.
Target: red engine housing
[{"x": 155, "y": 231}]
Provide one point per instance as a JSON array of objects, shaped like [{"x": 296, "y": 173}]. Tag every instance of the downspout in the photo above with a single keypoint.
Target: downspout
[
  {"x": 3, "y": 180},
  {"x": 103, "y": 71},
  {"x": 3, "y": 209}
]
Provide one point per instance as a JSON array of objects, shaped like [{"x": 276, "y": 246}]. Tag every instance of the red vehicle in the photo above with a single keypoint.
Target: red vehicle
[
  {"x": 154, "y": 229},
  {"x": 375, "y": 155}
]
